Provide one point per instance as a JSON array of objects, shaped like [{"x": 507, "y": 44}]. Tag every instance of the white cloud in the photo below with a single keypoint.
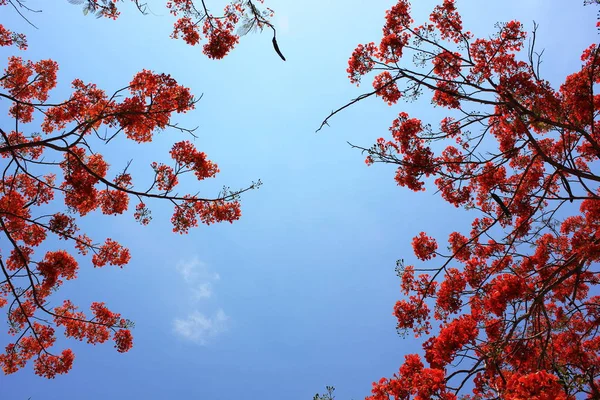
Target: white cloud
[
  {"x": 198, "y": 277},
  {"x": 202, "y": 291},
  {"x": 195, "y": 270},
  {"x": 189, "y": 270},
  {"x": 199, "y": 328}
]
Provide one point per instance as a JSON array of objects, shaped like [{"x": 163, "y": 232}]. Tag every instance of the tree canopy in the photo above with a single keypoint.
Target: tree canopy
[
  {"x": 51, "y": 155},
  {"x": 509, "y": 309}
]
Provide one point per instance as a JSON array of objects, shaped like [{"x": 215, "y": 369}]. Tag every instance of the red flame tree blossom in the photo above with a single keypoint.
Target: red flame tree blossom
[
  {"x": 57, "y": 162},
  {"x": 510, "y": 310},
  {"x": 196, "y": 22}
]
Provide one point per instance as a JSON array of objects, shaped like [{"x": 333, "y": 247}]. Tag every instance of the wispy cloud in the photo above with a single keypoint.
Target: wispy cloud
[
  {"x": 202, "y": 291},
  {"x": 198, "y": 327},
  {"x": 195, "y": 270},
  {"x": 198, "y": 277}
]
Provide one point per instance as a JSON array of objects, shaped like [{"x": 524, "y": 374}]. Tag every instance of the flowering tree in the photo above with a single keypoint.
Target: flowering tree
[
  {"x": 509, "y": 310},
  {"x": 195, "y": 21},
  {"x": 49, "y": 158}
]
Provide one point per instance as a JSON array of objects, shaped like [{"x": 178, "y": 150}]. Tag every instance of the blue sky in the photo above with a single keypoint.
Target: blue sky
[{"x": 299, "y": 293}]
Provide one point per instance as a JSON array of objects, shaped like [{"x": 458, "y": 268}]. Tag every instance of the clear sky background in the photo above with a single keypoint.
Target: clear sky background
[{"x": 299, "y": 293}]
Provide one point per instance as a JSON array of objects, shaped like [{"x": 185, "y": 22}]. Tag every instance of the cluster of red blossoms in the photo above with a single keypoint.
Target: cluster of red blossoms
[
  {"x": 218, "y": 30},
  {"x": 510, "y": 310},
  {"x": 30, "y": 214}
]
